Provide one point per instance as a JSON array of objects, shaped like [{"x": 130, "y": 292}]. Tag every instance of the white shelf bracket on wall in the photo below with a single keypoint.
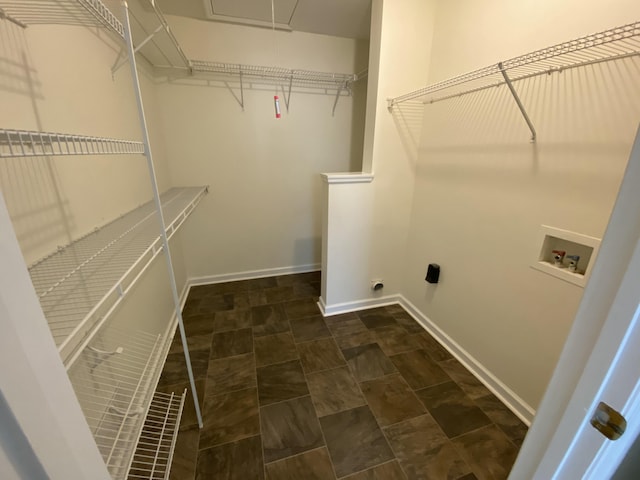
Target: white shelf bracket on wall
[
  {"x": 287, "y": 97},
  {"x": 240, "y": 99},
  {"x": 518, "y": 102},
  {"x": 335, "y": 102}
]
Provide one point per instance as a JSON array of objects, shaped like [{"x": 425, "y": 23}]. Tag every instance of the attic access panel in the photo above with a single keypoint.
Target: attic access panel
[{"x": 256, "y": 10}]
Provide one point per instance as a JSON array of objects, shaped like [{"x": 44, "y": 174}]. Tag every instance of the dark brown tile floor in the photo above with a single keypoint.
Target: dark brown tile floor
[{"x": 288, "y": 394}]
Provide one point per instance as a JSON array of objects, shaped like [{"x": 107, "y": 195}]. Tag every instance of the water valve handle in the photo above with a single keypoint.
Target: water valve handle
[
  {"x": 558, "y": 256},
  {"x": 573, "y": 262}
]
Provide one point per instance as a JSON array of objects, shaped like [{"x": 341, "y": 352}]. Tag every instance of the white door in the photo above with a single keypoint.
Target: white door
[{"x": 600, "y": 360}]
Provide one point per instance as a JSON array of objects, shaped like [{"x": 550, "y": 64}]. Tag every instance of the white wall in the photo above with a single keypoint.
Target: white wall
[
  {"x": 482, "y": 191},
  {"x": 395, "y": 66},
  {"x": 458, "y": 183},
  {"x": 264, "y": 206},
  {"x": 58, "y": 79}
]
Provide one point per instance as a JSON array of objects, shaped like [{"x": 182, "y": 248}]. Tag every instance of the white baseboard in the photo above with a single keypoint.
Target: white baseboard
[
  {"x": 516, "y": 404},
  {"x": 248, "y": 275},
  {"x": 347, "y": 307}
]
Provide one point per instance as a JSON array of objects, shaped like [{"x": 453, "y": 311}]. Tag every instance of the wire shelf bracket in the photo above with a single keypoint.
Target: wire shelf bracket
[
  {"x": 507, "y": 80},
  {"x": 609, "y": 45}
]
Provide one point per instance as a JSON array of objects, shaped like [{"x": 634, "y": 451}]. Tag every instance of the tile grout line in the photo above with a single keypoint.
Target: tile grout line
[
  {"x": 400, "y": 311},
  {"x": 324, "y": 437},
  {"x": 375, "y": 466}
]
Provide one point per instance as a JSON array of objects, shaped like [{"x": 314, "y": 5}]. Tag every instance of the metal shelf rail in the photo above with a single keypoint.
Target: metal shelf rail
[
  {"x": 285, "y": 78},
  {"x": 613, "y": 44},
  {"x": 82, "y": 283},
  {"x": 23, "y": 143},
  {"x": 115, "y": 385},
  {"x": 153, "y": 456}
]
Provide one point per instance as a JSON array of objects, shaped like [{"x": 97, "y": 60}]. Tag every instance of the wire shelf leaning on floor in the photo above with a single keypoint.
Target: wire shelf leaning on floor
[
  {"x": 613, "y": 44},
  {"x": 153, "y": 456},
  {"x": 114, "y": 380}
]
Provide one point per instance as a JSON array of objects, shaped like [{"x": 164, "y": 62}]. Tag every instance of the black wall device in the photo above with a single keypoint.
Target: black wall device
[{"x": 433, "y": 273}]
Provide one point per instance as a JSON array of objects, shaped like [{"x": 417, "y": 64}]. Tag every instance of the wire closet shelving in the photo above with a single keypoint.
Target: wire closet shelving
[
  {"x": 154, "y": 40},
  {"x": 612, "y": 44},
  {"x": 152, "y": 35},
  {"x": 81, "y": 284},
  {"x": 115, "y": 381},
  {"x": 114, "y": 373}
]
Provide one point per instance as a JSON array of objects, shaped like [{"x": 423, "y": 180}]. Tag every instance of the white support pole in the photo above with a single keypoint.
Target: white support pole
[{"x": 156, "y": 196}]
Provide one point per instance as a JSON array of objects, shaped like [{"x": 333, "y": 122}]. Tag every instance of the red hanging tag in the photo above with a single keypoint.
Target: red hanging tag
[{"x": 276, "y": 102}]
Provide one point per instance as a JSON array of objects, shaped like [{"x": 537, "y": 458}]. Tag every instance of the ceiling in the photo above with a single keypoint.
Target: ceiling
[{"x": 342, "y": 18}]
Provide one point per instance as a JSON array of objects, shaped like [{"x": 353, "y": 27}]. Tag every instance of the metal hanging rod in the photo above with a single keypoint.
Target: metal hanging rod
[
  {"x": 612, "y": 44},
  {"x": 24, "y": 143}
]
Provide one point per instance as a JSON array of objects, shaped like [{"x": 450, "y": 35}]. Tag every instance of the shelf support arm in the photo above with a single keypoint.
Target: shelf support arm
[
  {"x": 335, "y": 103},
  {"x": 122, "y": 60},
  {"x": 287, "y": 98},
  {"x": 156, "y": 196},
  {"x": 241, "y": 99},
  {"x": 518, "y": 102},
  {"x": 4, "y": 16}
]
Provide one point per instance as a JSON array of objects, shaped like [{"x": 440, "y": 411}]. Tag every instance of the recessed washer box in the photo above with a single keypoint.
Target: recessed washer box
[{"x": 572, "y": 243}]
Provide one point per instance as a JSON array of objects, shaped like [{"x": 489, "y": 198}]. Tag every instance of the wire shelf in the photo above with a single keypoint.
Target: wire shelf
[
  {"x": 152, "y": 459},
  {"x": 615, "y": 43},
  {"x": 114, "y": 381},
  {"x": 305, "y": 78},
  {"x": 87, "y": 13},
  {"x": 81, "y": 284},
  {"x": 152, "y": 36},
  {"x": 24, "y": 143}
]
